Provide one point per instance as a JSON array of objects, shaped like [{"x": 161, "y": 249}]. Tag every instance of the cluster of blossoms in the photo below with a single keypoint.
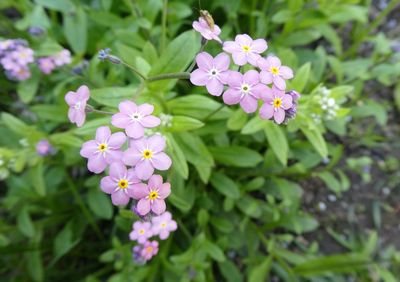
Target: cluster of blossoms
[
  {"x": 15, "y": 56},
  {"x": 246, "y": 89},
  {"x": 131, "y": 171},
  {"x": 327, "y": 106},
  {"x": 50, "y": 63}
]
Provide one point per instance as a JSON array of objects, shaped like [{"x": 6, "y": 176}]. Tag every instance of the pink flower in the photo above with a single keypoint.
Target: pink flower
[
  {"x": 9, "y": 64},
  {"x": 105, "y": 149},
  {"x": 22, "y": 73},
  {"x": 134, "y": 119},
  {"x": 151, "y": 196},
  {"x": 22, "y": 55},
  {"x": 46, "y": 65},
  {"x": 244, "y": 89},
  {"x": 149, "y": 250},
  {"x": 147, "y": 154},
  {"x": 276, "y": 102},
  {"x": 141, "y": 232},
  {"x": 77, "y": 104},
  {"x": 163, "y": 224},
  {"x": 206, "y": 31},
  {"x": 119, "y": 182},
  {"x": 44, "y": 148},
  {"x": 273, "y": 72},
  {"x": 62, "y": 58},
  {"x": 245, "y": 50},
  {"x": 212, "y": 72}
]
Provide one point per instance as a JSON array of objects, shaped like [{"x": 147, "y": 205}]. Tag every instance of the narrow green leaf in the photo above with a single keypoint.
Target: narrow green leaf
[
  {"x": 317, "y": 140},
  {"x": 277, "y": 140},
  {"x": 184, "y": 123},
  {"x": 225, "y": 185},
  {"x": 100, "y": 204},
  {"x": 25, "y": 224},
  {"x": 260, "y": 272},
  {"x": 301, "y": 78},
  {"x": 112, "y": 96},
  {"x": 75, "y": 29},
  {"x": 236, "y": 156}
]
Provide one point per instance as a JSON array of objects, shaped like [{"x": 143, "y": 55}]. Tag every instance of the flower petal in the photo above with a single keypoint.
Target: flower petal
[
  {"x": 102, "y": 134},
  {"x": 279, "y": 115},
  {"x": 156, "y": 143},
  {"x": 158, "y": 206},
  {"x": 150, "y": 121},
  {"x": 108, "y": 185},
  {"x": 144, "y": 169},
  {"x": 120, "y": 120},
  {"x": 286, "y": 72},
  {"x": 279, "y": 82},
  {"x": 155, "y": 181},
  {"x": 199, "y": 77},
  {"x": 251, "y": 77},
  {"x": 231, "y": 96},
  {"x": 164, "y": 190},
  {"x": 221, "y": 62},
  {"x": 71, "y": 98},
  {"x": 215, "y": 87},
  {"x": 234, "y": 78},
  {"x": 243, "y": 39},
  {"x": 83, "y": 93},
  {"x": 266, "y": 77},
  {"x": 249, "y": 104},
  {"x": 259, "y": 90},
  {"x": 97, "y": 163},
  {"x": 231, "y": 47},
  {"x": 135, "y": 130},
  {"x": 145, "y": 109},
  {"x": 119, "y": 198},
  {"x": 117, "y": 140},
  {"x": 88, "y": 148},
  {"x": 266, "y": 111},
  {"x": 131, "y": 157},
  {"x": 118, "y": 170},
  {"x": 287, "y": 102},
  {"x": 204, "y": 61},
  {"x": 127, "y": 107},
  {"x": 259, "y": 45},
  {"x": 114, "y": 156},
  {"x": 161, "y": 161},
  {"x": 143, "y": 206},
  {"x": 273, "y": 61},
  {"x": 138, "y": 191},
  {"x": 239, "y": 58}
]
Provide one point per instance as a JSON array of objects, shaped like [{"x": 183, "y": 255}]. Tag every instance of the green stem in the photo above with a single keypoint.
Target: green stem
[
  {"x": 190, "y": 68},
  {"x": 213, "y": 113},
  {"x": 164, "y": 25},
  {"x": 176, "y": 75},
  {"x": 142, "y": 76},
  {"x": 374, "y": 24},
  {"x": 82, "y": 206}
]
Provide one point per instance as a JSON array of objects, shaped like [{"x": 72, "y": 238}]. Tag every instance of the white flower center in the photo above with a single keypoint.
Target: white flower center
[
  {"x": 245, "y": 88},
  {"x": 136, "y": 116},
  {"x": 213, "y": 72},
  {"x": 78, "y": 105}
]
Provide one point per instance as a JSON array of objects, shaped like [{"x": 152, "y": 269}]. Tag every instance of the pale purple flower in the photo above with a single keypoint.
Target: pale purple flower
[
  {"x": 135, "y": 118},
  {"x": 22, "y": 55},
  {"x": 163, "y": 224},
  {"x": 77, "y": 104},
  {"x": 6, "y": 44},
  {"x": 119, "y": 182},
  {"x": 105, "y": 149},
  {"x": 149, "y": 249},
  {"x": 62, "y": 58},
  {"x": 146, "y": 154},
  {"x": 46, "y": 65},
  {"x": 141, "y": 232},
  {"x": 151, "y": 195},
  {"x": 245, "y": 50},
  {"x": 212, "y": 72},
  {"x": 137, "y": 255},
  {"x": 22, "y": 73},
  {"x": 244, "y": 89},
  {"x": 44, "y": 148},
  {"x": 273, "y": 72},
  {"x": 275, "y": 104},
  {"x": 9, "y": 64},
  {"x": 209, "y": 33},
  {"x": 292, "y": 111}
]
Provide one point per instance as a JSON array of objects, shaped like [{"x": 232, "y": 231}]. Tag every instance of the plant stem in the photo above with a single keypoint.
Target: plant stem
[
  {"x": 177, "y": 75},
  {"x": 102, "y": 112},
  {"x": 164, "y": 25},
  {"x": 203, "y": 45},
  {"x": 142, "y": 76},
  {"x": 82, "y": 206}
]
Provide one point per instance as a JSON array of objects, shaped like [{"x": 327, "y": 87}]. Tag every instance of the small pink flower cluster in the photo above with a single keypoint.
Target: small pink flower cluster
[
  {"x": 50, "y": 63},
  {"x": 142, "y": 231},
  {"x": 131, "y": 172},
  {"x": 245, "y": 89},
  {"x": 15, "y": 56}
]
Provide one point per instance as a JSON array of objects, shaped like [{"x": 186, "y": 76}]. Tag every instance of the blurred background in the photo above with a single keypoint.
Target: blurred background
[{"x": 314, "y": 200}]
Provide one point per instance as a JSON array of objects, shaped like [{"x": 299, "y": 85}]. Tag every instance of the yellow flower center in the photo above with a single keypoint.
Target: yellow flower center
[
  {"x": 246, "y": 48},
  {"x": 147, "y": 154},
  {"x": 163, "y": 225},
  {"x": 274, "y": 70},
  {"x": 123, "y": 184},
  {"x": 149, "y": 249},
  {"x": 102, "y": 147},
  {"x": 277, "y": 102},
  {"x": 141, "y": 231},
  {"x": 153, "y": 195}
]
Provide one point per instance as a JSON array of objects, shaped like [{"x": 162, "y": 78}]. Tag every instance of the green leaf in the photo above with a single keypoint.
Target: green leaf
[
  {"x": 237, "y": 120},
  {"x": 54, "y": 113},
  {"x": 214, "y": 251},
  {"x": 225, "y": 185},
  {"x": 100, "y": 204},
  {"x": 27, "y": 89},
  {"x": 301, "y": 37},
  {"x": 183, "y": 123},
  {"x": 178, "y": 157},
  {"x": 277, "y": 140},
  {"x": 176, "y": 58},
  {"x": 371, "y": 108},
  {"x": 67, "y": 139},
  {"x": 14, "y": 124},
  {"x": 236, "y": 156},
  {"x": 112, "y": 96},
  {"x": 37, "y": 178},
  {"x": 35, "y": 265},
  {"x": 59, "y": 5},
  {"x": 260, "y": 272},
  {"x": 301, "y": 78},
  {"x": 299, "y": 223},
  {"x": 63, "y": 242},
  {"x": 25, "y": 224},
  {"x": 330, "y": 181},
  {"x": 317, "y": 140},
  {"x": 89, "y": 128},
  {"x": 230, "y": 271},
  {"x": 335, "y": 263},
  {"x": 254, "y": 125},
  {"x": 75, "y": 30}
]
